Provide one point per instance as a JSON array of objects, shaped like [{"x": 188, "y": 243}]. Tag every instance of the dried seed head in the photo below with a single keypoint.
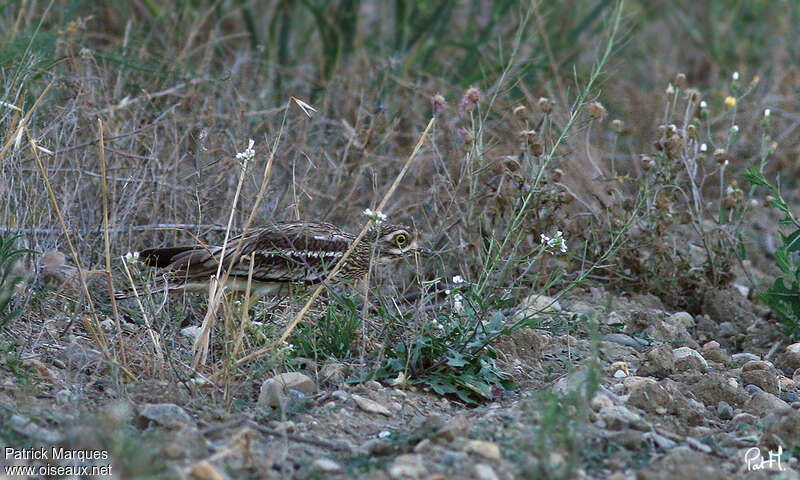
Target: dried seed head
[
  {"x": 691, "y": 131},
  {"x": 662, "y": 130},
  {"x": 680, "y": 80},
  {"x": 470, "y": 99},
  {"x": 557, "y": 174},
  {"x": 520, "y": 111},
  {"x": 769, "y": 200},
  {"x": 670, "y": 91},
  {"x": 597, "y": 111},
  {"x": 439, "y": 103},
  {"x": 693, "y": 95},
  {"x": 647, "y": 162},
  {"x": 618, "y": 126},
  {"x": 545, "y": 105}
]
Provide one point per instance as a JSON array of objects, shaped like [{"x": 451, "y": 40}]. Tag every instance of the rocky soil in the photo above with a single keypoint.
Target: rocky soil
[{"x": 679, "y": 396}]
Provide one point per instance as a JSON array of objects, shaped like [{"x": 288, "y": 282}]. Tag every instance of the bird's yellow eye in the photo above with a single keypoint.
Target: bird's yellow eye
[{"x": 400, "y": 240}]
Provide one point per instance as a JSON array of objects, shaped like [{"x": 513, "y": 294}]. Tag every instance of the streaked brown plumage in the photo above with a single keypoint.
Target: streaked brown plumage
[{"x": 283, "y": 254}]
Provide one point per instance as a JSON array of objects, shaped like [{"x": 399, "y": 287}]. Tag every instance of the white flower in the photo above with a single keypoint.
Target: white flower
[
  {"x": 556, "y": 242},
  {"x": 458, "y": 304},
  {"x": 767, "y": 112},
  {"x": 458, "y": 279},
  {"x": 131, "y": 257},
  {"x": 703, "y": 104},
  {"x": 735, "y": 76},
  {"x": 703, "y": 147},
  {"x": 735, "y": 129},
  {"x": 670, "y": 90},
  {"x": 376, "y": 216},
  {"x": 248, "y": 153}
]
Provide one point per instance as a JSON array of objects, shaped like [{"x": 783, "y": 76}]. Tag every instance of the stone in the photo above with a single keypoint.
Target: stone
[
  {"x": 483, "y": 448},
  {"x": 27, "y": 428},
  {"x": 453, "y": 428},
  {"x": 371, "y": 406},
  {"x": 681, "y": 320},
  {"x": 712, "y": 351},
  {"x": 686, "y": 358},
  {"x": 762, "y": 374},
  {"x": 740, "y": 359},
  {"x": 167, "y": 415},
  {"x": 791, "y": 356},
  {"x": 714, "y": 387},
  {"x": 724, "y": 410},
  {"x": 762, "y": 403},
  {"x": 205, "y": 470},
  {"x": 657, "y": 362},
  {"x": 408, "y": 466},
  {"x": 782, "y": 430},
  {"x": 274, "y": 390},
  {"x": 326, "y": 465},
  {"x": 650, "y": 397},
  {"x": 683, "y": 463},
  {"x": 623, "y": 339},
  {"x": 485, "y": 472},
  {"x": 698, "y": 445}
]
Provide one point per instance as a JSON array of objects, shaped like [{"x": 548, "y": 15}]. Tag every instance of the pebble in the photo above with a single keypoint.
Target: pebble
[
  {"x": 724, "y": 410},
  {"x": 483, "y": 448},
  {"x": 274, "y": 389},
  {"x": 689, "y": 359},
  {"x": 485, "y": 472},
  {"x": 371, "y": 406},
  {"x": 623, "y": 339},
  {"x": 750, "y": 388},
  {"x": 326, "y": 465}
]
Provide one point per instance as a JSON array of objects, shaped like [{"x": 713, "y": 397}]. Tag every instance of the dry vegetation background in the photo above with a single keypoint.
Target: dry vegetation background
[{"x": 530, "y": 138}]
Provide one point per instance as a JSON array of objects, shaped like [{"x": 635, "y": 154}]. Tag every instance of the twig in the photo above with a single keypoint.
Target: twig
[{"x": 106, "y": 240}]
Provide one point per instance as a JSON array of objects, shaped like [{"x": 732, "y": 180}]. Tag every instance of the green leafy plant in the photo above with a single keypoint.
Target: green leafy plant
[
  {"x": 453, "y": 355},
  {"x": 332, "y": 335},
  {"x": 782, "y": 298},
  {"x": 9, "y": 277}
]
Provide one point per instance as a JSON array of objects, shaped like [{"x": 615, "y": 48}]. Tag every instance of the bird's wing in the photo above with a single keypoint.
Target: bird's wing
[{"x": 281, "y": 252}]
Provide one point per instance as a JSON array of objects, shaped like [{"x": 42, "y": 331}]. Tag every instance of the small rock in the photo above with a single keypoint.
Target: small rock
[
  {"x": 783, "y": 430},
  {"x": 714, "y": 387},
  {"x": 750, "y": 388},
  {"x": 761, "y": 403},
  {"x": 39, "y": 368},
  {"x": 762, "y": 374},
  {"x": 206, "y": 471},
  {"x": 167, "y": 415},
  {"x": 724, "y": 410},
  {"x": 791, "y": 356},
  {"x": 740, "y": 359},
  {"x": 651, "y": 397},
  {"x": 698, "y": 445},
  {"x": 340, "y": 395},
  {"x": 712, "y": 351},
  {"x": 408, "y": 466},
  {"x": 485, "y": 472},
  {"x": 681, "y": 320},
  {"x": 623, "y": 339},
  {"x": 483, "y": 448},
  {"x": 658, "y": 362},
  {"x": 790, "y": 397},
  {"x": 326, "y": 465},
  {"x": 28, "y": 428},
  {"x": 275, "y": 389},
  {"x": 371, "y": 406},
  {"x": 457, "y": 426},
  {"x": 689, "y": 359},
  {"x": 661, "y": 441}
]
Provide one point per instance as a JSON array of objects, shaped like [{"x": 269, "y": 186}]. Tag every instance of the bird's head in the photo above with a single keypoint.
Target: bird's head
[{"x": 395, "y": 241}]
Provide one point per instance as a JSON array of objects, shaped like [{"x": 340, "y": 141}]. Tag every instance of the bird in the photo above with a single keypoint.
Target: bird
[{"x": 284, "y": 255}]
